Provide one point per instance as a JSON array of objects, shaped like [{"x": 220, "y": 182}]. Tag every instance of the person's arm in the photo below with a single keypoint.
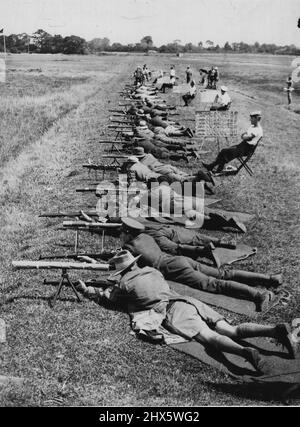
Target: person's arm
[
  {"x": 164, "y": 242},
  {"x": 191, "y": 251},
  {"x": 246, "y": 137},
  {"x": 112, "y": 294},
  {"x": 216, "y": 99}
]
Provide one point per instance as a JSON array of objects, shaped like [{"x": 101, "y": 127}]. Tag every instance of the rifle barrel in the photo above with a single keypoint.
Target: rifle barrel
[{"x": 52, "y": 265}]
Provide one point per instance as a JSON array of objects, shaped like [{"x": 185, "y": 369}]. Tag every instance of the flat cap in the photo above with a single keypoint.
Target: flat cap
[
  {"x": 255, "y": 113},
  {"x": 132, "y": 224}
]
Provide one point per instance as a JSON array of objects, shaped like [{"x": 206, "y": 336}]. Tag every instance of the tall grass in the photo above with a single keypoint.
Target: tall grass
[{"x": 25, "y": 119}]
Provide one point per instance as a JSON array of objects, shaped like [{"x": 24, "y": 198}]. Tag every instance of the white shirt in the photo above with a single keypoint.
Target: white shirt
[
  {"x": 193, "y": 90},
  {"x": 224, "y": 99},
  {"x": 255, "y": 131},
  {"x": 172, "y": 76}
]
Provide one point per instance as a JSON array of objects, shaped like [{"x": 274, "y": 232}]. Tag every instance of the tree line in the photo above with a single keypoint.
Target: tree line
[{"x": 43, "y": 42}]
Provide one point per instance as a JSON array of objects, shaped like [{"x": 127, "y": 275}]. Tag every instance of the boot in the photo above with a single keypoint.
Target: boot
[
  {"x": 238, "y": 290},
  {"x": 227, "y": 242},
  {"x": 263, "y": 299},
  {"x": 285, "y": 337},
  {"x": 235, "y": 223},
  {"x": 255, "y": 279},
  {"x": 209, "y": 166},
  {"x": 252, "y": 356}
]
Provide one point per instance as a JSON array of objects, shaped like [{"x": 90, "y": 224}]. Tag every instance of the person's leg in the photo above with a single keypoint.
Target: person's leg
[
  {"x": 221, "y": 220},
  {"x": 245, "y": 277},
  {"x": 189, "y": 272},
  {"x": 253, "y": 279},
  {"x": 225, "y": 344},
  {"x": 246, "y": 330},
  {"x": 225, "y": 156},
  {"x": 281, "y": 332}
]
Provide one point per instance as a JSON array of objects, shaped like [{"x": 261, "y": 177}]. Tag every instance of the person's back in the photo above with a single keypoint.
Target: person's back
[
  {"x": 145, "y": 287},
  {"x": 146, "y": 246},
  {"x": 143, "y": 173}
]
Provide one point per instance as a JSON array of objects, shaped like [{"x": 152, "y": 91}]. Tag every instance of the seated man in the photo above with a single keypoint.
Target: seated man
[
  {"x": 246, "y": 147},
  {"x": 222, "y": 102},
  {"x": 185, "y": 270},
  {"x": 190, "y": 95}
]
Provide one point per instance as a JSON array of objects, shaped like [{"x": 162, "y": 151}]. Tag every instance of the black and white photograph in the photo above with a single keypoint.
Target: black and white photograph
[{"x": 150, "y": 197}]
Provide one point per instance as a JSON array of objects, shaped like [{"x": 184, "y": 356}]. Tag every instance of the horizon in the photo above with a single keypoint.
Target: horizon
[{"x": 128, "y": 21}]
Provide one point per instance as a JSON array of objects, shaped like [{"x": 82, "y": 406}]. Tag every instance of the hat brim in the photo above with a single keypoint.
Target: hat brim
[{"x": 117, "y": 273}]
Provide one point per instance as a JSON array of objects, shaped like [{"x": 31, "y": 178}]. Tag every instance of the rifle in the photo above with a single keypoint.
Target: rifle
[
  {"x": 95, "y": 283},
  {"x": 101, "y": 167},
  {"x": 83, "y": 225},
  {"x": 109, "y": 191},
  {"x": 104, "y": 255},
  {"x": 105, "y": 141},
  {"x": 125, "y": 121},
  {"x": 55, "y": 265},
  {"x": 64, "y": 267},
  {"x": 117, "y": 111},
  {"x": 68, "y": 214},
  {"x": 120, "y": 128}
]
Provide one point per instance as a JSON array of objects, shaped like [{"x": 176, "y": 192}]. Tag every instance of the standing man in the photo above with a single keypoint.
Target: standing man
[
  {"x": 249, "y": 141},
  {"x": 289, "y": 89},
  {"x": 172, "y": 82},
  {"x": 189, "y": 75},
  {"x": 190, "y": 95}
]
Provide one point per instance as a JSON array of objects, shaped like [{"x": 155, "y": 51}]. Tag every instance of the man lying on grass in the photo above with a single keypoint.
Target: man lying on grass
[
  {"x": 153, "y": 307},
  {"x": 146, "y": 166},
  {"x": 185, "y": 270}
]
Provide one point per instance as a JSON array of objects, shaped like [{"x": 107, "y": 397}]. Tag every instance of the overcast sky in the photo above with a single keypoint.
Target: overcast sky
[{"x": 127, "y": 21}]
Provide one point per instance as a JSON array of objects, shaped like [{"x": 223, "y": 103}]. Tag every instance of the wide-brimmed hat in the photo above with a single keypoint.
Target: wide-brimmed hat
[
  {"x": 224, "y": 88},
  {"x": 194, "y": 219},
  {"x": 138, "y": 152},
  {"x": 122, "y": 261},
  {"x": 132, "y": 159},
  {"x": 255, "y": 113}
]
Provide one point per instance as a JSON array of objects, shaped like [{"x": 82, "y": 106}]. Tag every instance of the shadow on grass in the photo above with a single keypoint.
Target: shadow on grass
[{"x": 280, "y": 392}]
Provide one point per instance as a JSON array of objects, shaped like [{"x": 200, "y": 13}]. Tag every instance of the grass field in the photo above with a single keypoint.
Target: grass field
[{"x": 84, "y": 354}]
